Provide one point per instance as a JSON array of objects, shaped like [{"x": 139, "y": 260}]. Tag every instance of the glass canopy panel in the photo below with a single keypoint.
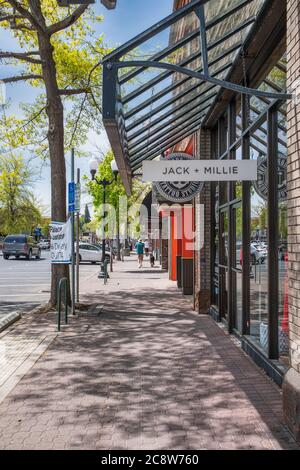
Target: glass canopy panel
[
  {"x": 158, "y": 107},
  {"x": 243, "y": 9},
  {"x": 180, "y": 112},
  {"x": 239, "y": 16},
  {"x": 172, "y": 106},
  {"x": 169, "y": 45}
]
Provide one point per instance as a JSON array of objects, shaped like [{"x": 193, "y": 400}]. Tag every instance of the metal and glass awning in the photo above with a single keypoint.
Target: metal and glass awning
[{"x": 159, "y": 86}]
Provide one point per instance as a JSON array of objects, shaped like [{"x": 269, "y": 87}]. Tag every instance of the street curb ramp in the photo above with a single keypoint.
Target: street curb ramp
[{"x": 8, "y": 320}]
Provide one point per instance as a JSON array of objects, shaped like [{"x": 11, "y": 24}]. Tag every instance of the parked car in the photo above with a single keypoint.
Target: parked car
[
  {"x": 257, "y": 254},
  {"x": 91, "y": 253},
  {"x": 21, "y": 245},
  {"x": 44, "y": 244}
]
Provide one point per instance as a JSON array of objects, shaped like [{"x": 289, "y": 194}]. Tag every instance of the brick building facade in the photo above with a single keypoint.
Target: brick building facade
[{"x": 291, "y": 386}]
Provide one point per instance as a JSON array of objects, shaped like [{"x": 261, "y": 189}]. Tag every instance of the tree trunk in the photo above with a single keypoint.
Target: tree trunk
[{"x": 55, "y": 115}]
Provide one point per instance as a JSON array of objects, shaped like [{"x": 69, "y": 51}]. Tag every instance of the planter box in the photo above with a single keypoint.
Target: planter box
[{"x": 283, "y": 338}]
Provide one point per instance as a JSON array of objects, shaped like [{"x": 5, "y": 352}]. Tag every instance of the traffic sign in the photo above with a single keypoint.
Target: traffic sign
[{"x": 71, "y": 197}]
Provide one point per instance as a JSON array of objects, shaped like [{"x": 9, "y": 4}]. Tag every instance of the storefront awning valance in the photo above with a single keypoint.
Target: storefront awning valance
[{"x": 158, "y": 87}]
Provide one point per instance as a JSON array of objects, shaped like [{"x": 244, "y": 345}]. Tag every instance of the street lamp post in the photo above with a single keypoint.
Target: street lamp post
[{"x": 94, "y": 164}]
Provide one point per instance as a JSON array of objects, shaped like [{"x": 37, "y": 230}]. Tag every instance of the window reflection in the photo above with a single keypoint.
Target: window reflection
[
  {"x": 237, "y": 265},
  {"x": 223, "y": 270},
  {"x": 259, "y": 270},
  {"x": 283, "y": 307}
]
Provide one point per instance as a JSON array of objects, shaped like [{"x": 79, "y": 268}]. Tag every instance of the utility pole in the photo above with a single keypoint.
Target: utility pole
[
  {"x": 73, "y": 235},
  {"x": 77, "y": 244}
]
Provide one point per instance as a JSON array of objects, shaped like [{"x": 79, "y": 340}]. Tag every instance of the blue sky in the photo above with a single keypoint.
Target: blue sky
[{"x": 130, "y": 18}]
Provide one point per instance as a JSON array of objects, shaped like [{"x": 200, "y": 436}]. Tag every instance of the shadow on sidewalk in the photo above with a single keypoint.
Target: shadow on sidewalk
[{"x": 150, "y": 368}]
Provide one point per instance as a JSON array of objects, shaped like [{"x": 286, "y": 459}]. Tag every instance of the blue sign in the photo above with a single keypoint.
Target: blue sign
[{"x": 72, "y": 197}]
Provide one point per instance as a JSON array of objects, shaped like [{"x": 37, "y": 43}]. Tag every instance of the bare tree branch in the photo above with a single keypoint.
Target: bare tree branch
[
  {"x": 21, "y": 77},
  {"x": 78, "y": 119},
  {"x": 95, "y": 103},
  {"x": 22, "y": 26},
  {"x": 28, "y": 15},
  {"x": 25, "y": 56},
  {"x": 11, "y": 17},
  {"x": 77, "y": 91},
  {"x": 33, "y": 118},
  {"x": 68, "y": 21}
]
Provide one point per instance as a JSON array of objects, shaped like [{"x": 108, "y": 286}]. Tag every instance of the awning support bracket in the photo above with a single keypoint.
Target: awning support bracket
[{"x": 200, "y": 76}]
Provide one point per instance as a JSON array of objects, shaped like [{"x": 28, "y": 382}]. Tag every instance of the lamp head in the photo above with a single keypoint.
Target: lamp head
[
  {"x": 93, "y": 164},
  {"x": 114, "y": 168}
]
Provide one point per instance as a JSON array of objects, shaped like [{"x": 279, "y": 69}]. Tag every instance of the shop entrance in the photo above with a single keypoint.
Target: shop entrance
[{"x": 231, "y": 266}]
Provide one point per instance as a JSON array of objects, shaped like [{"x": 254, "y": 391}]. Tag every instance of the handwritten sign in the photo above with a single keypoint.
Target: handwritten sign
[{"x": 61, "y": 246}]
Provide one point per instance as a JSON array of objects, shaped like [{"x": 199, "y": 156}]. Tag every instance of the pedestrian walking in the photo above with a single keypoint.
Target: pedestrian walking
[
  {"x": 122, "y": 252},
  {"x": 152, "y": 261},
  {"x": 140, "y": 246},
  {"x": 146, "y": 247}
]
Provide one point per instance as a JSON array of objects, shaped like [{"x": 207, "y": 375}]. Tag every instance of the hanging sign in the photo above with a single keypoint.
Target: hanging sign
[
  {"x": 178, "y": 191},
  {"x": 175, "y": 169},
  {"x": 61, "y": 242}
]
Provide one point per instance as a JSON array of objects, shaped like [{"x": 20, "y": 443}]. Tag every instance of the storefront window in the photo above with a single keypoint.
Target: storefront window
[
  {"x": 231, "y": 262},
  {"x": 237, "y": 266},
  {"x": 216, "y": 246},
  {"x": 283, "y": 284},
  {"x": 259, "y": 252},
  {"x": 223, "y": 267}
]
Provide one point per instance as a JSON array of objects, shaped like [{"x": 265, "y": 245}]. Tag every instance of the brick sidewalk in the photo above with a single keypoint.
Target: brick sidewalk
[{"x": 147, "y": 373}]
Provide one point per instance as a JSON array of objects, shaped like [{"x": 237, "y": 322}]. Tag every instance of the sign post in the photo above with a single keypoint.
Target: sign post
[
  {"x": 72, "y": 212},
  {"x": 77, "y": 208}
]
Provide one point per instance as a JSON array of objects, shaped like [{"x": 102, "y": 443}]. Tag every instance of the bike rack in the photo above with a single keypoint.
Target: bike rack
[{"x": 62, "y": 282}]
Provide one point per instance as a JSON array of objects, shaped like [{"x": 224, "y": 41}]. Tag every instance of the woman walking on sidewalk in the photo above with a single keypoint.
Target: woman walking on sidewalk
[{"x": 140, "y": 252}]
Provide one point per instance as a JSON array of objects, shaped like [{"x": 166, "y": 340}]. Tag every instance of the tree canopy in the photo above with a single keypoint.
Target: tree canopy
[
  {"x": 77, "y": 53},
  {"x": 19, "y": 211}
]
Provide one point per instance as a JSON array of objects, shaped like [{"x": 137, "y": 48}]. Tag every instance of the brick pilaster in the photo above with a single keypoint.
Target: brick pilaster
[
  {"x": 202, "y": 258},
  {"x": 291, "y": 386}
]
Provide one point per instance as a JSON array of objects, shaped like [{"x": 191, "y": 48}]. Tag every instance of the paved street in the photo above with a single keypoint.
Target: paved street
[
  {"x": 147, "y": 373},
  {"x": 26, "y": 284}
]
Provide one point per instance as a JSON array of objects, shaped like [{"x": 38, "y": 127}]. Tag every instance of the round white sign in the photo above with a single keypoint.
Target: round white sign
[
  {"x": 179, "y": 191},
  {"x": 261, "y": 185}
]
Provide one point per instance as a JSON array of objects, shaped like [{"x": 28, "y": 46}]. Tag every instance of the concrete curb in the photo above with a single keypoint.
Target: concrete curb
[
  {"x": 25, "y": 366},
  {"x": 8, "y": 320}
]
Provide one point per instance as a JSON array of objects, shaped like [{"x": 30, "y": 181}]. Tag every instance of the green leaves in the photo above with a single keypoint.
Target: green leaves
[
  {"x": 77, "y": 52},
  {"x": 114, "y": 191},
  {"x": 19, "y": 211}
]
